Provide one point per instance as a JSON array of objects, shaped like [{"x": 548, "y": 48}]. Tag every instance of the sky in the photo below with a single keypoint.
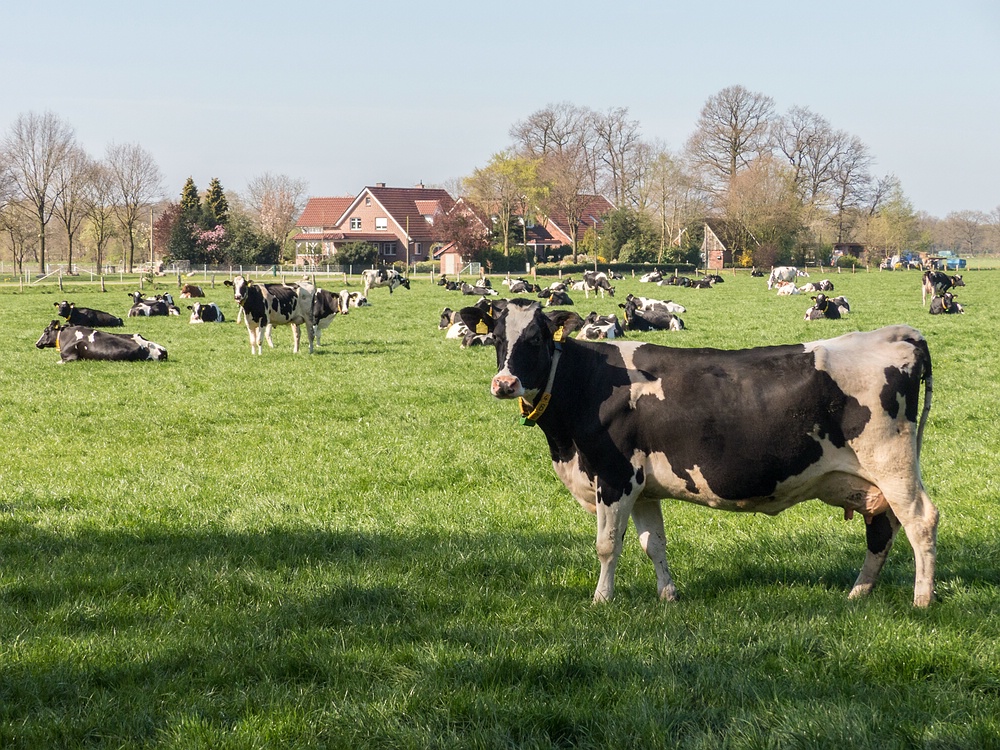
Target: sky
[{"x": 344, "y": 95}]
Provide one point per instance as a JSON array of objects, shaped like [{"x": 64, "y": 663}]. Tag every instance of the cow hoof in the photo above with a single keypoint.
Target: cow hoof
[
  {"x": 923, "y": 600},
  {"x": 670, "y": 595},
  {"x": 860, "y": 590}
]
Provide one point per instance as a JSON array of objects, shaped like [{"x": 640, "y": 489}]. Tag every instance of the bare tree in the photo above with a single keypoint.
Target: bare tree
[
  {"x": 556, "y": 129},
  {"x": 34, "y": 151},
  {"x": 71, "y": 195},
  {"x": 137, "y": 182},
  {"x": 275, "y": 202},
  {"x": 19, "y": 233},
  {"x": 100, "y": 211},
  {"x": 813, "y": 150},
  {"x": 851, "y": 186},
  {"x": 671, "y": 198},
  {"x": 967, "y": 229},
  {"x": 566, "y": 176},
  {"x": 618, "y": 143},
  {"x": 732, "y": 130}
]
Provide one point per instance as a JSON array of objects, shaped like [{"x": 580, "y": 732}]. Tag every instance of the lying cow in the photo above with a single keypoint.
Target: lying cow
[
  {"x": 267, "y": 305},
  {"x": 558, "y": 298},
  {"x": 945, "y": 304},
  {"x": 823, "y": 307},
  {"x": 478, "y": 290},
  {"x": 601, "y": 327},
  {"x": 147, "y": 307},
  {"x": 520, "y": 286},
  {"x": 647, "y": 303},
  {"x": 936, "y": 283},
  {"x": 84, "y": 316},
  {"x": 652, "y": 277},
  {"x": 656, "y": 319},
  {"x": 206, "y": 312},
  {"x": 189, "y": 291},
  {"x": 761, "y": 430},
  {"x": 81, "y": 342},
  {"x": 389, "y": 277}
]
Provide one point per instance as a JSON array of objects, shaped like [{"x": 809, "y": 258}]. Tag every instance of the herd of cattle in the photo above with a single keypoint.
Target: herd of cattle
[{"x": 762, "y": 429}]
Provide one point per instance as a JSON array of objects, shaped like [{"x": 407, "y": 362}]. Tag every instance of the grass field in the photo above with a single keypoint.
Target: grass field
[{"x": 362, "y": 549}]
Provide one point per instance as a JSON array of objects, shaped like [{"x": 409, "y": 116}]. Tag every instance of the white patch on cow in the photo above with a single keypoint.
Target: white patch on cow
[
  {"x": 456, "y": 331},
  {"x": 577, "y": 482},
  {"x": 641, "y": 383},
  {"x": 518, "y": 319}
]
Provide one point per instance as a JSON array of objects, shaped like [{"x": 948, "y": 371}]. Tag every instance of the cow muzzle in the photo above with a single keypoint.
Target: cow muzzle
[{"x": 506, "y": 386}]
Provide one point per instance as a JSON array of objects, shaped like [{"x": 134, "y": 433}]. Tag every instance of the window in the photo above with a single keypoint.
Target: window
[
  {"x": 381, "y": 224},
  {"x": 368, "y": 200},
  {"x": 388, "y": 248},
  {"x": 419, "y": 248},
  {"x": 356, "y": 223}
]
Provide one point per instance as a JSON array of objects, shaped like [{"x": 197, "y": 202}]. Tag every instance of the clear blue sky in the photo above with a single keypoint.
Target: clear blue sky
[{"x": 343, "y": 95}]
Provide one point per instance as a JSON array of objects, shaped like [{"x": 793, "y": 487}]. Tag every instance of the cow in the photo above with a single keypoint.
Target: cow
[
  {"x": 823, "y": 308},
  {"x": 81, "y": 342},
  {"x": 762, "y": 429},
  {"x": 206, "y": 312},
  {"x": 676, "y": 281},
  {"x": 653, "y": 277},
  {"x": 656, "y": 319},
  {"x": 389, "y": 277},
  {"x": 936, "y": 283},
  {"x": 596, "y": 281},
  {"x": 647, "y": 303},
  {"x": 601, "y": 327},
  {"x": 325, "y": 306},
  {"x": 786, "y": 288},
  {"x": 146, "y": 307},
  {"x": 267, "y": 305},
  {"x": 188, "y": 291},
  {"x": 558, "y": 298},
  {"x": 520, "y": 286},
  {"x": 84, "y": 316},
  {"x": 945, "y": 304},
  {"x": 781, "y": 273},
  {"x": 477, "y": 290}
]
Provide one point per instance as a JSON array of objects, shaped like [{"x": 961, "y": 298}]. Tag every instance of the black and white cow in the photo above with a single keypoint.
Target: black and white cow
[
  {"x": 596, "y": 281},
  {"x": 781, "y": 273},
  {"x": 268, "y": 305},
  {"x": 206, "y": 312},
  {"x": 325, "y": 306},
  {"x": 823, "y": 307},
  {"x": 389, "y": 277},
  {"x": 936, "y": 283},
  {"x": 82, "y": 342},
  {"x": 558, "y": 298},
  {"x": 945, "y": 304},
  {"x": 147, "y": 307},
  {"x": 656, "y": 319},
  {"x": 762, "y": 429},
  {"x": 653, "y": 277},
  {"x": 84, "y": 316},
  {"x": 479, "y": 290},
  {"x": 647, "y": 303},
  {"x": 601, "y": 327},
  {"x": 520, "y": 286}
]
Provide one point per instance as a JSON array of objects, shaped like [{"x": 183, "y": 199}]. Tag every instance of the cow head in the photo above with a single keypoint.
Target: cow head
[
  {"x": 821, "y": 301},
  {"x": 241, "y": 288},
  {"x": 50, "y": 336},
  {"x": 63, "y": 308},
  {"x": 524, "y": 342},
  {"x": 957, "y": 281}
]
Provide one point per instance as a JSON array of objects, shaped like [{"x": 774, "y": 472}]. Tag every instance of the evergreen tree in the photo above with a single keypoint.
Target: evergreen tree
[
  {"x": 190, "y": 202},
  {"x": 216, "y": 205},
  {"x": 182, "y": 244}
]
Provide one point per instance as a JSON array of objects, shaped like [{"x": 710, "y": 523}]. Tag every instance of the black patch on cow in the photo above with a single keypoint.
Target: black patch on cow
[{"x": 878, "y": 533}]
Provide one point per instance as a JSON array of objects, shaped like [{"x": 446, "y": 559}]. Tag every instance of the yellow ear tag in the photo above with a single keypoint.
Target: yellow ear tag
[
  {"x": 559, "y": 334},
  {"x": 481, "y": 327}
]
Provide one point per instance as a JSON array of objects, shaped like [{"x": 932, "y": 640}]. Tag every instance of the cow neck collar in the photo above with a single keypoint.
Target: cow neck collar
[{"x": 530, "y": 416}]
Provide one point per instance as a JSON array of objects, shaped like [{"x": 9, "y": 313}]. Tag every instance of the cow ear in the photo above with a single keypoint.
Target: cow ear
[
  {"x": 568, "y": 320},
  {"x": 227, "y": 282},
  {"x": 475, "y": 320}
]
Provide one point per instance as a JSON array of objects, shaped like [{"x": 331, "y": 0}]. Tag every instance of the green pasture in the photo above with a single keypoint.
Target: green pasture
[{"x": 362, "y": 549}]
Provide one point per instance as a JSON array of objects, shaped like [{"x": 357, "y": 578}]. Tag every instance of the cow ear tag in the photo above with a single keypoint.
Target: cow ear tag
[{"x": 481, "y": 327}]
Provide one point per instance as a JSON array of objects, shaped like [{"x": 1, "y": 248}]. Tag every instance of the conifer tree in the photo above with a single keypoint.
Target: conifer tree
[
  {"x": 182, "y": 244},
  {"x": 216, "y": 205}
]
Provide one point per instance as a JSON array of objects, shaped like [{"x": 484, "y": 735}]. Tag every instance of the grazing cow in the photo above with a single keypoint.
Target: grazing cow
[
  {"x": 761, "y": 430},
  {"x": 601, "y": 327},
  {"x": 189, "y": 291},
  {"x": 936, "y": 283},
  {"x": 389, "y": 277},
  {"x": 646, "y": 303},
  {"x": 325, "y": 306},
  {"x": 81, "y": 342},
  {"x": 268, "y": 305},
  {"x": 945, "y": 304},
  {"x": 206, "y": 312},
  {"x": 781, "y": 273},
  {"x": 656, "y": 319},
  {"x": 823, "y": 308},
  {"x": 596, "y": 281},
  {"x": 653, "y": 277},
  {"x": 84, "y": 316}
]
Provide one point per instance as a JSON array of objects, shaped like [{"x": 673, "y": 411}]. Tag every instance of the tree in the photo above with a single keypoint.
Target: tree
[
  {"x": 850, "y": 185},
  {"x": 762, "y": 202},
  {"x": 732, "y": 130},
  {"x": 72, "y": 194},
  {"x": 275, "y": 202},
  {"x": 216, "y": 207},
  {"x": 967, "y": 230},
  {"x": 136, "y": 179},
  {"x": 100, "y": 210},
  {"x": 357, "y": 254},
  {"x": 893, "y": 226},
  {"x": 19, "y": 232},
  {"x": 500, "y": 187},
  {"x": 618, "y": 153},
  {"x": 672, "y": 200},
  {"x": 34, "y": 151}
]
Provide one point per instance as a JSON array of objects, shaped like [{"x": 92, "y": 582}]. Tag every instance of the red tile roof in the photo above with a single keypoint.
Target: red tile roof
[
  {"x": 595, "y": 207},
  {"x": 402, "y": 203},
  {"x": 324, "y": 212}
]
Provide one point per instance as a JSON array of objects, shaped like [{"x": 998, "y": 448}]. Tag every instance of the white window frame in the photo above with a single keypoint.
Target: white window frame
[
  {"x": 381, "y": 224},
  {"x": 387, "y": 247},
  {"x": 355, "y": 223}
]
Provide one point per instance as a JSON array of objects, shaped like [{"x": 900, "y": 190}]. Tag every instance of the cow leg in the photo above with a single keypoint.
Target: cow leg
[
  {"x": 311, "y": 334},
  {"x": 879, "y": 534},
  {"x": 612, "y": 522},
  {"x": 253, "y": 333},
  {"x": 647, "y": 515},
  {"x": 919, "y": 518},
  {"x": 267, "y": 335},
  {"x": 296, "y": 335}
]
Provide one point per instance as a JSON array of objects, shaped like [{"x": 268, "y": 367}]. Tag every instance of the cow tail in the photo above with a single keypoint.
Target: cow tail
[{"x": 924, "y": 359}]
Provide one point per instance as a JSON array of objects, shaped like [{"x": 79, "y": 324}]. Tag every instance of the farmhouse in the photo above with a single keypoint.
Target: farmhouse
[
  {"x": 398, "y": 221},
  {"x": 559, "y": 229}
]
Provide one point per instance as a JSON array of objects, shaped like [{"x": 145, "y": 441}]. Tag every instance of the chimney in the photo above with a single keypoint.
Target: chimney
[
  {"x": 380, "y": 184},
  {"x": 420, "y": 185}
]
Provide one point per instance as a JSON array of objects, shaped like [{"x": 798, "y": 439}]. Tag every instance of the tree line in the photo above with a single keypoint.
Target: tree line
[
  {"x": 784, "y": 186},
  {"x": 111, "y": 208}
]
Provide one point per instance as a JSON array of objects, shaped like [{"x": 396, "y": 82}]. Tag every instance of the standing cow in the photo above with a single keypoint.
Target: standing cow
[
  {"x": 267, "y": 305},
  {"x": 781, "y": 273},
  {"x": 761, "y": 430},
  {"x": 389, "y": 277},
  {"x": 936, "y": 283}
]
